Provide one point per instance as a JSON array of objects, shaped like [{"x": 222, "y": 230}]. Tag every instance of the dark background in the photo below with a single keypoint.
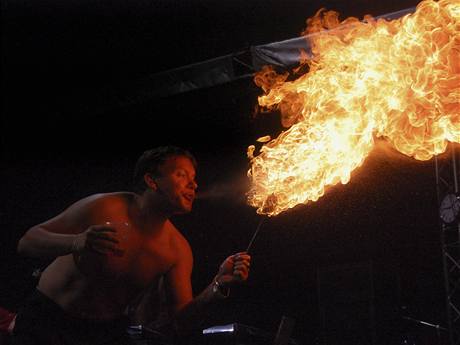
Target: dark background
[{"x": 347, "y": 267}]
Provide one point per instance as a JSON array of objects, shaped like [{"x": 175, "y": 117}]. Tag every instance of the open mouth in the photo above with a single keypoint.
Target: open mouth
[{"x": 189, "y": 197}]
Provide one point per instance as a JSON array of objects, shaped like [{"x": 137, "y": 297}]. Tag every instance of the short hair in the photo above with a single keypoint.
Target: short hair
[{"x": 151, "y": 160}]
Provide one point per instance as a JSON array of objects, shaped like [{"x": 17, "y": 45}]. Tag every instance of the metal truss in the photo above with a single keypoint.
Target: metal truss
[{"x": 447, "y": 182}]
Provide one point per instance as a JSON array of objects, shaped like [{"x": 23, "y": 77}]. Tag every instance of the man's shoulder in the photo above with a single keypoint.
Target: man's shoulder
[
  {"x": 110, "y": 199},
  {"x": 107, "y": 203},
  {"x": 178, "y": 241}
]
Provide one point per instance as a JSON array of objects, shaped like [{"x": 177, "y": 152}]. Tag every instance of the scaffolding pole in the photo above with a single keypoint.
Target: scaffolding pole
[{"x": 447, "y": 177}]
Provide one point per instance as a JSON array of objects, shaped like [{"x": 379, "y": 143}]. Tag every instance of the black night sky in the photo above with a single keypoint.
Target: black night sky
[{"x": 343, "y": 266}]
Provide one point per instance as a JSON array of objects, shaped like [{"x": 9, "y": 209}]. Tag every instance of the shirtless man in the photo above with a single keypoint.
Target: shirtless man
[{"x": 109, "y": 248}]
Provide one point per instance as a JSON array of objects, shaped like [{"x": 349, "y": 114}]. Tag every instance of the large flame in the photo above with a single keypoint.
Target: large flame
[{"x": 398, "y": 80}]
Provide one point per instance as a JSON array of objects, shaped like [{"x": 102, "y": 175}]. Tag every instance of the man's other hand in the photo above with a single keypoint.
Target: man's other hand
[{"x": 235, "y": 269}]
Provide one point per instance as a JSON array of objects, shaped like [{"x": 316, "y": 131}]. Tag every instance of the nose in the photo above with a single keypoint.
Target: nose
[{"x": 192, "y": 184}]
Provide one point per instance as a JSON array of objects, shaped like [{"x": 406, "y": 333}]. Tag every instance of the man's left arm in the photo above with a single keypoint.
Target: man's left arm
[{"x": 189, "y": 312}]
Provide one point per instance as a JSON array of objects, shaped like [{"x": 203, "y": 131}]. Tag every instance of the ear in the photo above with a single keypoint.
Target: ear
[{"x": 150, "y": 182}]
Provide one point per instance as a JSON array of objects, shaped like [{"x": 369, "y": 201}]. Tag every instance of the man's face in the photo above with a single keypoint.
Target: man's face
[{"x": 176, "y": 183}]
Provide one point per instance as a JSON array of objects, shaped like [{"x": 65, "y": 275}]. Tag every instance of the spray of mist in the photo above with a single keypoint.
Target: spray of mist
[{"x": 233, "y": 189}]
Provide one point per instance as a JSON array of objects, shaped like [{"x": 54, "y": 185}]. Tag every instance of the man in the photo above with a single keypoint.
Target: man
[{"x": 109, "y": 248}]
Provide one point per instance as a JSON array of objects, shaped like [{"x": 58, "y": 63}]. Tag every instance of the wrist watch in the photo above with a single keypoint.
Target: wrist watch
[{"x": 217, "y": 288}]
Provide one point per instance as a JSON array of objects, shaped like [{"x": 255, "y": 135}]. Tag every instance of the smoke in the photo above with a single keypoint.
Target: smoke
[{"x": 233, "y": 189}]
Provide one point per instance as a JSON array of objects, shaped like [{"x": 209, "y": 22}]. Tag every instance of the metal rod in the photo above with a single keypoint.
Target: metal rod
[
  {"x": 255, "y": 234},
  {"x": 425, "y": 323},
  {"x": 454, "y": 165}
]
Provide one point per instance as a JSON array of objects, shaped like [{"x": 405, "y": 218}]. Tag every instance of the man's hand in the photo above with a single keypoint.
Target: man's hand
[
  {"x": 234, "y": 269},
  {"x": 98, "y": 238}
]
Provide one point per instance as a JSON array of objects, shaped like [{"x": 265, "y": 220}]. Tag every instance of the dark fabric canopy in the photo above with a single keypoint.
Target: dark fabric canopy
[{"x": 284, "y": 54}]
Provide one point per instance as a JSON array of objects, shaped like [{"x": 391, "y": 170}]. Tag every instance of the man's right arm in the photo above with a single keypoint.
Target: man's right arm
[
  {"x": 69, "y": 232},
  {"x": 38, "y": 241}
]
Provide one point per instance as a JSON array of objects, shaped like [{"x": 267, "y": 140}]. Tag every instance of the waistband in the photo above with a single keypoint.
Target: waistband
[{"x": 44, "y": 305}]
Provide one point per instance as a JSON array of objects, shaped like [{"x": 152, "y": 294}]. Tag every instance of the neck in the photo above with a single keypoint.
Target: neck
[{"x": 151, "y": 213}]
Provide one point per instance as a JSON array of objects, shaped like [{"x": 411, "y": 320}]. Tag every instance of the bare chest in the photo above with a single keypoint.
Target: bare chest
[{"x": 144, "y": 259}]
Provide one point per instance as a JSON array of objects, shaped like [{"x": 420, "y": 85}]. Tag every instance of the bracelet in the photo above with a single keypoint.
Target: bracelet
[
  {"x": 219, "y": 289},
  {"x": 74, "y": 248}
]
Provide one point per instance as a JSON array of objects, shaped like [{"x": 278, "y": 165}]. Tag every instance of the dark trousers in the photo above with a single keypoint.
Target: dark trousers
[{"x": 40, "y": 321}]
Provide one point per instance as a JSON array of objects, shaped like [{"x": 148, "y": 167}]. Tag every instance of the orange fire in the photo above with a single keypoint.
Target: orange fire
[{"x": 398, "y": 80}]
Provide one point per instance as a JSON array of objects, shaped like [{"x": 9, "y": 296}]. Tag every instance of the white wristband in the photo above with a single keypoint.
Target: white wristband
[
  {"x": 217, "y": 288},
  {"x": 74, "y": 248}
]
